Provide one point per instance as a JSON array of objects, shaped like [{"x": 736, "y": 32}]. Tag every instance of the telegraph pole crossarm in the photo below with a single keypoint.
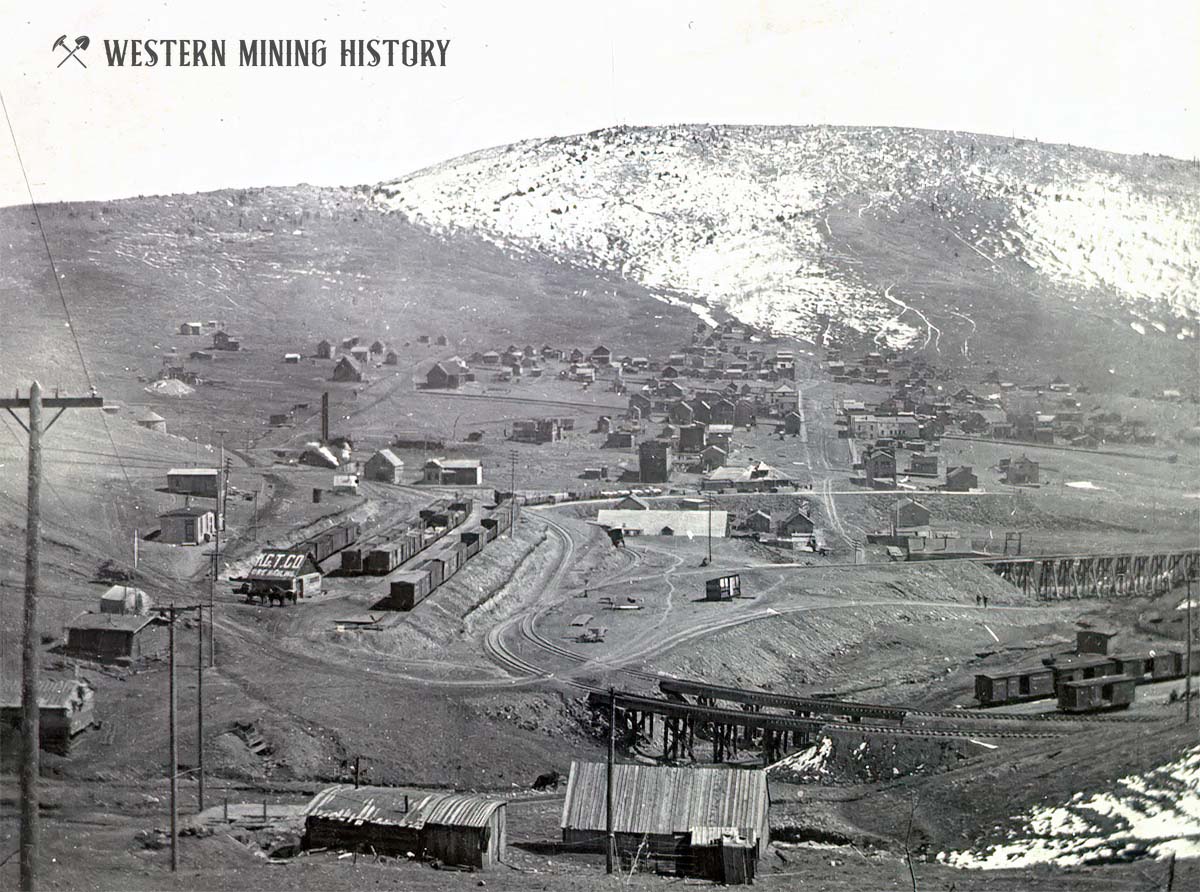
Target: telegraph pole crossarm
[{"x": 30, "y": 827}]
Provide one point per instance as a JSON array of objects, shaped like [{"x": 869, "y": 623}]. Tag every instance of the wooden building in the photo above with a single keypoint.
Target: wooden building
[
  {"x": 65, "y": 710},
  {"x": 454, "y": 472},
  {"x": 115, "y": 638},
  {"x": 385, "y": 466},
  {"x": 448, "y": 374},
  {"x": 283, "y": 570},
  {"x": 189, "y": 525},
  {"x": 1023, "y": 471},
  {"x": 687, "y": 814},
  {"x": 326, "y": 350},
  {"x": 203, "y": 482},
  {"x": 454, "y": 828},
  {"x": 961, "y": 479},
  {"x": 654, "y": 461},
  {"x": 348, "y": 369},
  {"x": 723, "y": 588}
]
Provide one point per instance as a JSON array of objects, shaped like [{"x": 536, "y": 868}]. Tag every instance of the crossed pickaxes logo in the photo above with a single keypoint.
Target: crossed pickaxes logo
[{"x": 81, "y": 43}]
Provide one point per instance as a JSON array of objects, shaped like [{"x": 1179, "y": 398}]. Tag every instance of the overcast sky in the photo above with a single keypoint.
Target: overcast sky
[{"x": 1115, "y": 75}]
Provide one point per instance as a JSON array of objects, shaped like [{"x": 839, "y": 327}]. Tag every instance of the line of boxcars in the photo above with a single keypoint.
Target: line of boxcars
[
  {"x": 382, "y": 552},
  {"x": 410, "y": 587},
  {"x": 329, "y": 542},
  {"x": 1082, "y": 682}
]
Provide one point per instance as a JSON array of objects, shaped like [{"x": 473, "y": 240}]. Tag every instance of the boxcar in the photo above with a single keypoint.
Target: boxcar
[
  {"x": 1080, "y": 667},
  {"x": 409, "y": 589},
  {"x": 352, "y": 560},
  {"x": 994, "y": 689},
  {"x": 1097, "y": 694},
  {"x": 473, "y": 539},
  {"x": 449, "y": 557},
  {"x": 382, "y": 559},
  {"x": 436, "y": 571}
]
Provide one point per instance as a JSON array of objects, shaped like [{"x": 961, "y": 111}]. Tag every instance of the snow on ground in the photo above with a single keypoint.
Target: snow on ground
[
  {"x": 1083, "y": 484},
  {"x": 1155, "y": 815},
  {"x": 737, "y": 216}
]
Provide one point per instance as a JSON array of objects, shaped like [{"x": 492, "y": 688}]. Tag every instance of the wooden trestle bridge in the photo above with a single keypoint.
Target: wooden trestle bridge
[
  {"x": 729, "y": 729},
  {"x": 1097, "y": 575}
]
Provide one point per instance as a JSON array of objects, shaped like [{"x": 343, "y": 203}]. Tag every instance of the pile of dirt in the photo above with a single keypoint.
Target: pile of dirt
[
  {"x": 845, "y": 758},
  {"x": 170, "y": 387}
]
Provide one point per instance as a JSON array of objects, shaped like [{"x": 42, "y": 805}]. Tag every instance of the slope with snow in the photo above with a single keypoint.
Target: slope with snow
[
  {"x": 738, "y": 217},
  {"x": 1154, "y": 814}
]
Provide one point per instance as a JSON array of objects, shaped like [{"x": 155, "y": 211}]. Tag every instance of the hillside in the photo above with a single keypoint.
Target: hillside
[{"x": 923, "y": 239}]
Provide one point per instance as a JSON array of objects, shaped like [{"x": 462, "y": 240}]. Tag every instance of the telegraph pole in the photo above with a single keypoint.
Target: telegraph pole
[
  {"x": 200, "y": 703},
  {"x": 30, "y": 842},
  {"x": 512, "y": 494},
  {"x": 611, "y": 846},
  {"x": 1187, "y": 678},
  {"x": 173, "y": 767}
]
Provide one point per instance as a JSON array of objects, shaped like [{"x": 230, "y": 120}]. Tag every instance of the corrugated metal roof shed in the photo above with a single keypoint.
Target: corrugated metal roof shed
[
  {"x": 51, "y": 692},
  {"x": 384, "y": 805},
  {"x": 666, "y": 801}
]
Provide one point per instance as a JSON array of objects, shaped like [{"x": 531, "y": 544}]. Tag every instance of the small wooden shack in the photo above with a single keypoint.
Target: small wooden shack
[
  {"x": 65, "y": 710},
  {"x": 187, "y": 526},
  {"x": 723, "y": 588},
  {"x": 711, "y": 821},
  {"x": 455, "y": 828}
]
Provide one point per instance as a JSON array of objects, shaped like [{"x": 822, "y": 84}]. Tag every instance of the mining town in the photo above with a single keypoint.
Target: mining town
[{"x": 477, "y": 529}]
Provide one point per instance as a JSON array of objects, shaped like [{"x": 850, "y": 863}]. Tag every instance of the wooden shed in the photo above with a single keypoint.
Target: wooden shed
[
  {"x": 65, "y": 710},
  {"x": 455, "y": 828},
  {"x": 672, "y": 813},
  {"x": 115, "y": 638},
  {"x": 723, "y": 588}
]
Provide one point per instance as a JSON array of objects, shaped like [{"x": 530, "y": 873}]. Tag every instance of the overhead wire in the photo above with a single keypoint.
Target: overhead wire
[{"x": 58, "y": 285}]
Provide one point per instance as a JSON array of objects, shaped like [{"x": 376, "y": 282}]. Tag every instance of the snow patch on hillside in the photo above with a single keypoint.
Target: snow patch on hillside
[
  {"x": 738, "y": 217},
  {"x": 1155, "y": 815}
]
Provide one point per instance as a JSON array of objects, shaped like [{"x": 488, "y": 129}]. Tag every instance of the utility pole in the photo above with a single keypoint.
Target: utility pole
[
  {"x": 512, "y": 494},
  {"x": 200, "y": 704},
  {"x": 30, "y": 842},
  {"x": 172, "y": 613},
  {"x": 610, "y": 848},
  {"x": 1187, "y": 678},
  {"x": 710, "y": 504},
  {"x": 173, "y": 767}
]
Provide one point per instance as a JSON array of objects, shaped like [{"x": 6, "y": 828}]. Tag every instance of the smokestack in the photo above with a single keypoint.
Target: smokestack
[{"x": 325, "y": 417}]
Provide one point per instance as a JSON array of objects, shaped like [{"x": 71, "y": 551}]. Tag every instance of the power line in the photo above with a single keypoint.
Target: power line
[
  {"x": 49, "y": 256},
  {"x": 58, "y": 285}
]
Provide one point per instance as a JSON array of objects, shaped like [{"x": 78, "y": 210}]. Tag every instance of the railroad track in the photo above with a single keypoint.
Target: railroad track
[{"x": 901, "y": 731}]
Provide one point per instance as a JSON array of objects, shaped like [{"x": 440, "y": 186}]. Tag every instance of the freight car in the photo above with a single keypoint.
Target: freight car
[
  {"x": 1098, "y": 694},
  {"x": 993, "y": 689},
  {"x": 329, "y": 542},
  {"x": 1144, "y": 667},
  {"x": 409, "y": 589}
]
